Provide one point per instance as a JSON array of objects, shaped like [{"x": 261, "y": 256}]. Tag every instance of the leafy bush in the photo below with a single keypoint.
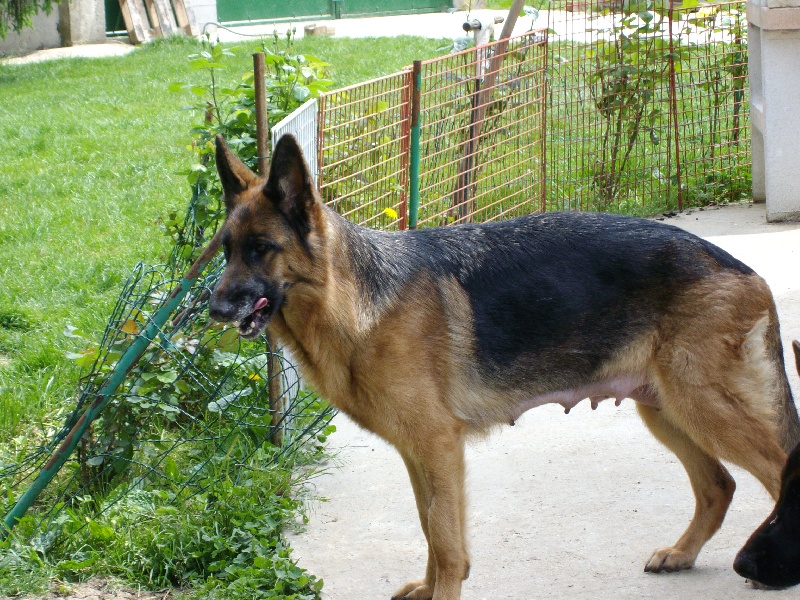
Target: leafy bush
[
  {"x": 225, "y": 543},
  {"x": 291, "y": 79}
]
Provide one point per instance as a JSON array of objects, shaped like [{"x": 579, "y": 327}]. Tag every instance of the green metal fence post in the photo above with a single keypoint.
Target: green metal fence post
[{"x": 413, "y": 167}]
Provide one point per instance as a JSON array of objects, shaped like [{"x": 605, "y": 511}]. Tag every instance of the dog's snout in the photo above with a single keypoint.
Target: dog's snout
[
  {"x": 221, "y": 309},
  {"x": 746, "y": 566}
]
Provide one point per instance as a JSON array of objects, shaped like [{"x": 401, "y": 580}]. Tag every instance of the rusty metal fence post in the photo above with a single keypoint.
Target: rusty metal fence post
[
  {"x": 262, "y": 144},
  {"x": 673, "y": 104}
]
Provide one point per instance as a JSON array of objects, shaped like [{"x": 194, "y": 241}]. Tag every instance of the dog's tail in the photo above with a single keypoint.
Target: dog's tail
[
  {"x": 790, "y": 423},
  {"x": 788, "y": 419}
]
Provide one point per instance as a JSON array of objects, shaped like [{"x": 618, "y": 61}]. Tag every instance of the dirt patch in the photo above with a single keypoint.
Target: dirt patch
[{"x": 98, "y": 589}]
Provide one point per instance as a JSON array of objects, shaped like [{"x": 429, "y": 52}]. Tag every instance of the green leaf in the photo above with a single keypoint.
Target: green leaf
[
  {"x": 84, "y": 358},
  {"x": 301, "y": 93},
  {"x": 229, "y": 339},
  {"x": 74, "y": 332},
  {"x": 167, "y": 376}
]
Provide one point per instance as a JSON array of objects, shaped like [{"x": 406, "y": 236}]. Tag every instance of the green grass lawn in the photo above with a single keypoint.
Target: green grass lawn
[{"x": 93, "y": 152}]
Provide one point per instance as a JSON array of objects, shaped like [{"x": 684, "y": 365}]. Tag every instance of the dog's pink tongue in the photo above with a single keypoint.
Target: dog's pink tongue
[{"x": 260, "y": 303}]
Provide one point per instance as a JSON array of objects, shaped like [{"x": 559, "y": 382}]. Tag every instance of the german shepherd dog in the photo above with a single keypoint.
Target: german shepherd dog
[
  {"x": 771, "y": 557},
  {"x": 426, "y": 337}
]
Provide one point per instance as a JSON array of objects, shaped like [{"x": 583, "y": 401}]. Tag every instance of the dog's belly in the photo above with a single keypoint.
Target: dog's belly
[{"x": 618, "y": 388}]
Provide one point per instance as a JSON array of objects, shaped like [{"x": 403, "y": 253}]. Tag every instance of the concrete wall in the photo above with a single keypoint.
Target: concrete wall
[
  {"x": 82, "y": 22},
  {"x": 774, "y": 65},
  {"x": 43, "y": 34},
  {"x": 71, "y": 23},
  {"x": 202, "y": 12}
]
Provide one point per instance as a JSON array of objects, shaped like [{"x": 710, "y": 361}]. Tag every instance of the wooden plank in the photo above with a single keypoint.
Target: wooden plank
[
  {"x": 149, "y": 19},
  {"x": 166, "y": 20},
  {"x": 136, "y": 22},
  {"x": 186, "y": 21},
  {"x": 153, "y": 16}
]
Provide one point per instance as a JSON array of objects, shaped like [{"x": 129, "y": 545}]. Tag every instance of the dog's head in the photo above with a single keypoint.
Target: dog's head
[
  {"x": 268, "y": 235},
  {"x": 771, "y": 557}
]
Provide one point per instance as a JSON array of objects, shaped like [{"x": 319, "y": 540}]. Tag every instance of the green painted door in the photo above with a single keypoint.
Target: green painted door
[
  {"x": 257, "y": 10},
  {"x": 114, "y": 20},
  {"x": 363, "y": 8},
  {"x": 265, "y": 10}
]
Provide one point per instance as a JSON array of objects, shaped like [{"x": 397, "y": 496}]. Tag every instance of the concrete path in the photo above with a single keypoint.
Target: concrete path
[
  {"x": 113, "y": 47},
  {"x": 561, "y": 506},
  {"x": 430, "y": 25}
]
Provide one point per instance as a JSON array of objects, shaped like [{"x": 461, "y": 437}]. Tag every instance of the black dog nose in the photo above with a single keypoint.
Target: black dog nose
[
  {"x": 221, "y": 311},
  {"x": 746, "y": 566}
]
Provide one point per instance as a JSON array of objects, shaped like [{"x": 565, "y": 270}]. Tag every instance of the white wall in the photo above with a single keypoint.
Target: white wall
[
  {"x": 203, "y": 11},
  {"x": 73, "y": 22},
  {"x": 774, "y": 66},
  {"x": 43, "y": 34}
]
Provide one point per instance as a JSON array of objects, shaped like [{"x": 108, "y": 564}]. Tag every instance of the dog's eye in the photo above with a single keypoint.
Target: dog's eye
[
  {"x": 259, "y": 248},
  {"x": 262, "y": 247}
]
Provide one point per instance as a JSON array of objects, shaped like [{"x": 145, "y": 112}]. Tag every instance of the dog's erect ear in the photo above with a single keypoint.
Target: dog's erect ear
[
  {"x": 289, "y": 184},
  {"x": 234, "y": 175}
]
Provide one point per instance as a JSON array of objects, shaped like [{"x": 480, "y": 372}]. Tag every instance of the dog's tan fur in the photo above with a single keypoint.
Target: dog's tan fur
[{"x": 712, "y": 370}]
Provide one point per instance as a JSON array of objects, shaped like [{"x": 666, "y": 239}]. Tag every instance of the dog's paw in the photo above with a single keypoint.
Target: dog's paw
[
  {"x": 414, "y": 590},
  {"x": 669, "y": 560}
]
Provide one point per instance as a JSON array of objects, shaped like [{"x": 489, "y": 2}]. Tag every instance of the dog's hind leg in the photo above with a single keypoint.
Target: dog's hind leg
[{"x": 713, "y": 489}]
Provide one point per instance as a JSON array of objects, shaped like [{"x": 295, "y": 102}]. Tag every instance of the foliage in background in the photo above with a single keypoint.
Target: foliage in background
[
  {"x": 17, "y": 14},
  {"x": 617, "y": 152},
  {"x": 291, "y": 79},
  {"x": 630, "y": 65}
]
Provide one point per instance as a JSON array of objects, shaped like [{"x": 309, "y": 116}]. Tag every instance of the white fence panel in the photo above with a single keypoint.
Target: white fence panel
[{"x": 302, "y": 124}]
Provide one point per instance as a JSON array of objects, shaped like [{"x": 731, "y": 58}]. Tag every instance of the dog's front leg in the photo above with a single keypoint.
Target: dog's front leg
[
  {"x": 437, "y": 478},
  {"x": 422, "y": 588}
]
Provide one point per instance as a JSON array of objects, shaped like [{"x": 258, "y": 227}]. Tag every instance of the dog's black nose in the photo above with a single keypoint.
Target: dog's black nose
[
  {"x": 746, "y": 566},
  {"x": 221, "y": 310}
]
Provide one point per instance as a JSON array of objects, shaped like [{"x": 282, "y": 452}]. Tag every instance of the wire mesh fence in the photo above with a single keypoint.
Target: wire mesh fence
[
  {"x": 364, "y": 151},
  {"x": 481, "y": 114},
  {"x": 481, "y": 117},
  {"x": 193, "y": 408},
  {"x": 647, "y": 108},
  {"x": 616, "y": 106},
  {"x": 302, "y": 123}
]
